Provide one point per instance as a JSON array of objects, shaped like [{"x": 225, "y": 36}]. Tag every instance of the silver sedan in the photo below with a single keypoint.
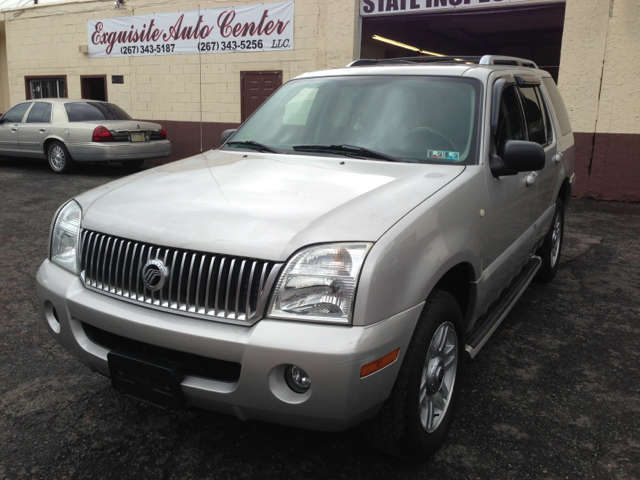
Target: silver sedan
[{"x": 66, "y": 131}]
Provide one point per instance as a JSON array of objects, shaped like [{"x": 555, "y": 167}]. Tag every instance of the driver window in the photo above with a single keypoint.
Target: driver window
[
  {"x": 16, "y": 113},
  {"x": 510, "y": 125}
]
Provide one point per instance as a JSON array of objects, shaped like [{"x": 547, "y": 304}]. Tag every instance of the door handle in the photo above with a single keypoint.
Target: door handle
[
  {"x": 557, "y": 158},
  {"x": 43, "y": 129},
  {"x": 530, "y": 179},
  {"x": 14, "y": 129}
]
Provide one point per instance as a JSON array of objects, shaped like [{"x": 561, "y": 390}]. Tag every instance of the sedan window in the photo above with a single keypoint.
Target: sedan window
[
  {"x": 16, "y": 113},
  {"x": 40, "y": 113},
  {"x": 88, "y": 111}
]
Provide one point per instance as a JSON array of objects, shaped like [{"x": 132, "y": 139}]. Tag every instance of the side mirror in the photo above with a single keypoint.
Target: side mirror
[
  {"x": 517, "y": 156},
  {"x": 226, "y": 134}
]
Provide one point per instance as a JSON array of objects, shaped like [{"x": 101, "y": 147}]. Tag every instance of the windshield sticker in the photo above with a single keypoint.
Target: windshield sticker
[{"x": 443, "y": 155}]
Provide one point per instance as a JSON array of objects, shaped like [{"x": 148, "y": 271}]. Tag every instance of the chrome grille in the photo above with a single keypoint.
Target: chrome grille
[{"x": 203, "y": 284}]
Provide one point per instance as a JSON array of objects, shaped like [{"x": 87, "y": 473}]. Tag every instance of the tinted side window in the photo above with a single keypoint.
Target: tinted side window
[
  {"x": 16, "y": 113},
  {"x": 545, "y": 114},
  {"x": 87, "y": 111},
  {"x": 40, "y": 113},
  {"x": 558, "y": 105},
  {"x": 535, "y": 115},
  {"x": 510, "y": 121}
]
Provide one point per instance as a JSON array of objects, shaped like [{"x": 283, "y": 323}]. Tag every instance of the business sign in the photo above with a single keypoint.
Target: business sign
[
  {"x": 387, "y": 7},
  {"x": 263, "y": 27}
]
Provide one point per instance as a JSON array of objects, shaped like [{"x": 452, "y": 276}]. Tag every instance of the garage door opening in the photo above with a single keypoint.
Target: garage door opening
[{"x": 533, "y": 32}]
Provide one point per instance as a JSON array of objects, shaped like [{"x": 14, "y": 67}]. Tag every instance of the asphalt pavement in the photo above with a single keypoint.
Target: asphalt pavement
[{"x": 555, "y": 393}]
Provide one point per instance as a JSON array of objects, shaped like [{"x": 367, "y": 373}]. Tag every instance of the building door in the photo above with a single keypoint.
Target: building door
[
  {"x": 255, "y": 88},
  {"x": 94, "y": 87}
]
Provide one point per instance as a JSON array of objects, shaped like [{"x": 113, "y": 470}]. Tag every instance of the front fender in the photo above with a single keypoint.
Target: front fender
[{"x": 408, "y": 260}]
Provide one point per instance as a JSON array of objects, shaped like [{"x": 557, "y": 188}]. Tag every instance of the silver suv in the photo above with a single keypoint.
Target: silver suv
[{"x": 335, "y": 261}]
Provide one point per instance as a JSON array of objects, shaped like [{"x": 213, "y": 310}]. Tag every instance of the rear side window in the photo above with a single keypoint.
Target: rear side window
[
  {"x": 88, "y": 111},
  {"x": 40, "y": 113},
  {"x": 558, "y": 105},
  {"x": 536, "y": 115},
  {"x": 510, "y": 125},
  {"x": 16, "y": 113}
]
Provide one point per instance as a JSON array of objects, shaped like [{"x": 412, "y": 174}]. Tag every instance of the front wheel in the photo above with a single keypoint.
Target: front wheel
[
  {"x": 415, "y": 419},
  {"x": 59, "y": 159},
  {"x": 552, "y": 246}
]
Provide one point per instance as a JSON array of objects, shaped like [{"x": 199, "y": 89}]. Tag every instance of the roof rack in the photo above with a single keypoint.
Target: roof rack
[{"x": 484, "y": 60}]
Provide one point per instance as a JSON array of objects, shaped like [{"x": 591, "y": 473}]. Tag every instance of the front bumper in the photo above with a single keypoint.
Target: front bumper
[
  {"x": 109, "y": 151},
  {"x": 331, "y": 355}
]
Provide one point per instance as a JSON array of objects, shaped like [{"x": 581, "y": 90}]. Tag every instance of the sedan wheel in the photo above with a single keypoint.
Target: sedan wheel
[{"x": 59, "y": 159}]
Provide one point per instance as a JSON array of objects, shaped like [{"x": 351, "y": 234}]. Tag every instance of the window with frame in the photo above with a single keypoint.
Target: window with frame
[
  {"x": 42, "y": 87},
  {"x": 537, "y": 119},
  {"x": 510, "y": 126}
]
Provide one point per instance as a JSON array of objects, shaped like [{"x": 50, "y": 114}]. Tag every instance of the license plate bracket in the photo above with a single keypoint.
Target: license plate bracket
[
  {"x": 147, "y": 379},
  {"x": 138, "y": 137}
]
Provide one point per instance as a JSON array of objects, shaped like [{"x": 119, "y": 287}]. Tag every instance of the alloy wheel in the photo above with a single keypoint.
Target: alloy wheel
[
  {"x": 438, "y": 377},
  {"x": 57, "y": 158},
  {"x": 556, "y": 238}
]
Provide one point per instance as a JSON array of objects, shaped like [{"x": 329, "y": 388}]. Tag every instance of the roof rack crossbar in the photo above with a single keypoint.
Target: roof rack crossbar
[{"x": 459, "y": 59}]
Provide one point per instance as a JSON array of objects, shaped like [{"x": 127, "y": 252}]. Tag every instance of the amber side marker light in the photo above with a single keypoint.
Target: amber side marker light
[{"x": 379, "y": 364}]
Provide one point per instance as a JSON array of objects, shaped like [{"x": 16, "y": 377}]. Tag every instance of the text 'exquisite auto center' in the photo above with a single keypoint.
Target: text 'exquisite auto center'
[{"x": 200, "y": 68}]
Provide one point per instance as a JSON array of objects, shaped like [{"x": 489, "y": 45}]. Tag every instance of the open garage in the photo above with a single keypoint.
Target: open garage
[{"x": 531, "y": 31}]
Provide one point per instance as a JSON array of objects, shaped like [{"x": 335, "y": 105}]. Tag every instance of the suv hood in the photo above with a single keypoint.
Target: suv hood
[{"x": 263, "y": 206}]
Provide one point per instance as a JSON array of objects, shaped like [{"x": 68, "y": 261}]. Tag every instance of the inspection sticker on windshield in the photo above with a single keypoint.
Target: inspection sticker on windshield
[{"x": 443, "y": 155}]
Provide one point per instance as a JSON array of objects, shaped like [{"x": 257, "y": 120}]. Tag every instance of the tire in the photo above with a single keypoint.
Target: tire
[
  {"x": 133, "y": 165},
  {"x": 59, "y": 159},
  {"x": 401, "y": 428},
  {"x": 552, "y": 246}
]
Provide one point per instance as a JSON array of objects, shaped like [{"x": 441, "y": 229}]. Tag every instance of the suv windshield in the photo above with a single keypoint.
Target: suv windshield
[
  {"x": 408, "y": 118},
  {"x": 87, "y": 111}
]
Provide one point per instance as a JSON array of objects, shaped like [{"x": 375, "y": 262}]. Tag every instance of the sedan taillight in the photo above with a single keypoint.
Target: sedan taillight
[
  {"x": 163, "y": 134},
  {"x": 101, "y": 134}
]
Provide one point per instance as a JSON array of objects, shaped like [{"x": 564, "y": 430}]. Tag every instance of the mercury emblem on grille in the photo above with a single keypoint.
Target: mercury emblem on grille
[{"x": 154, "y": 274}]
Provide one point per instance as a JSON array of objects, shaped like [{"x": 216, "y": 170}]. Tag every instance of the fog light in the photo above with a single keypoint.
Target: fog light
[
  {"x": 51, "y": 315},
  {"x": 297, "y": 379}
]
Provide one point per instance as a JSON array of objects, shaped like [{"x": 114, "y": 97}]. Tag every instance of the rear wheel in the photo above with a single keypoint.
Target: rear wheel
[
  {"x": 552, "y": 246},
  {"x": 59, "y": 158},
  {"x": 133, "y": 164},
  {"x": 415, "y": 419}
]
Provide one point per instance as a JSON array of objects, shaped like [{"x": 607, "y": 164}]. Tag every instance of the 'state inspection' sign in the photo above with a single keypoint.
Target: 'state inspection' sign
[
  {"x": 387, "y": 7},
  {"x": 268, "y": 26}
]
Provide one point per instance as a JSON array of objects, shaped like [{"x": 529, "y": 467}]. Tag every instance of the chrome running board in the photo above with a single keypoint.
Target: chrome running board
[{"x": 494, "y": 317}]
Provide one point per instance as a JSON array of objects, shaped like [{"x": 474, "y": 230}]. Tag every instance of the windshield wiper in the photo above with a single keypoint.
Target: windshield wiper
[
  {"x": 255, "y": 145},
  {"x": 349, "y": 150}
]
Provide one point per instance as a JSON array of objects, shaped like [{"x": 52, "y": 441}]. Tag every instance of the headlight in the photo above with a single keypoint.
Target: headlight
[
  {"x": 64, "y": 237},
  {"x": 319, "y": 284}
]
